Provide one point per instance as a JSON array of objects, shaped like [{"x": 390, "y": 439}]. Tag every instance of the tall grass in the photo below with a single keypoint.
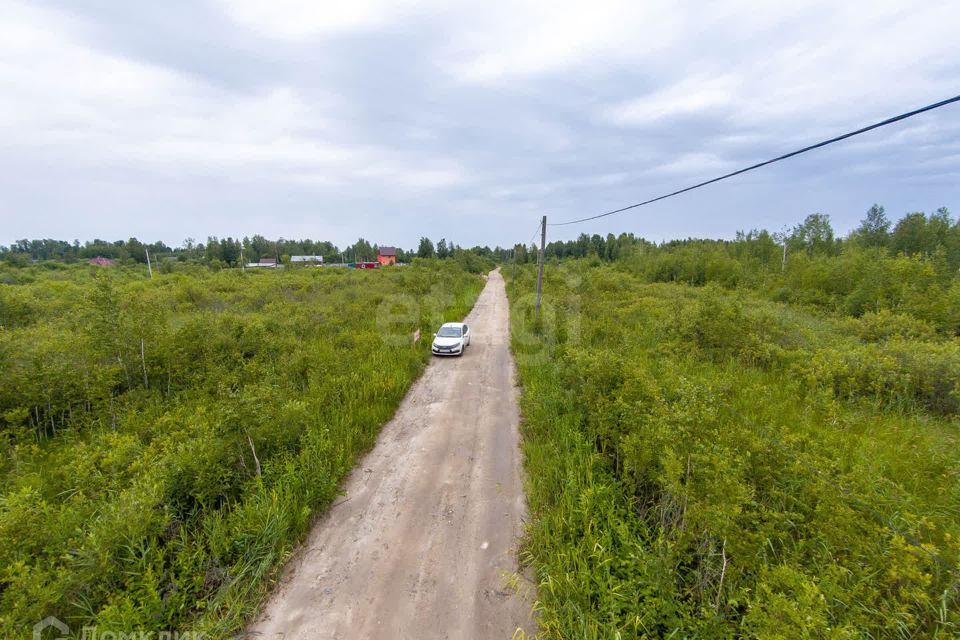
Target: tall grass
[
  {"x": 704, "y": 463},
  {"x": 161, "y": 489}
]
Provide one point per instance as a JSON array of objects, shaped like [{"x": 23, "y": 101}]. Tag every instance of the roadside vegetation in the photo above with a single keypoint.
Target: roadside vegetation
[
  {"x": 721, "y": 445},
  {"x": 167, "y": 441}
]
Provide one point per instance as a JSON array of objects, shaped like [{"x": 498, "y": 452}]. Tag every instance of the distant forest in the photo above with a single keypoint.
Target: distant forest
[
  {"x": 934, "y": 237},
  {"x": 908, "y": 267},
  {"x": 914, "y": 234},
  {"x": 224, "y": 251}
]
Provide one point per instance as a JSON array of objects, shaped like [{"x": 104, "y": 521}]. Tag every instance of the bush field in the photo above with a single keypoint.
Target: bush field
[
  {"x": 705, "y": 462},
  {"x": 167, "y": 441}
]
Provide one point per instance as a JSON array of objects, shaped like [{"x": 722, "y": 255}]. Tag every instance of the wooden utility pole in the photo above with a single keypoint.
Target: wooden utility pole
[
  {"x": 543, "y": 242},
  {"x": 149, "y": 268}
]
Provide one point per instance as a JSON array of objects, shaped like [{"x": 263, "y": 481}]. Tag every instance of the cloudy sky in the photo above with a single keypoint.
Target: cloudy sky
[{"x": 392, "y": 119}]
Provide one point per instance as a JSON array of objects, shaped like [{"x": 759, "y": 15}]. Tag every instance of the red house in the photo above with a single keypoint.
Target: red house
[
  {"x": 100, "y": 261},
  {"x": 387, "y": 255}
]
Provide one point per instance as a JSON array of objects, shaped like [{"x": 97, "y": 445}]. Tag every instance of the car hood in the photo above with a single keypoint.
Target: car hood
[{"x": 446, "y": 342}]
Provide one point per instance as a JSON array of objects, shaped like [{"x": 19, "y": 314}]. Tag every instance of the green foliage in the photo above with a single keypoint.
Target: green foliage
[
  {"x": 166, "y": 442},
  {"x": 425, "y": 250},
  {"x": 707, "y": 263},
  {"x": 814, "y": 236},
  {"x": 912, "y": 271},
  {"x": 874, "y": 230},
  {"x": 219, "y": 253},
  {"x": 473, "y": 262},
  {"x": 706, "y": 463},
  {"x": 897, "y": 373}
]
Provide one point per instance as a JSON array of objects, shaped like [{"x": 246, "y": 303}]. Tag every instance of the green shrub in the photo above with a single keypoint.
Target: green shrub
[
  {"x": 886, "y": 325},
  {"x": 703, "y": 463},
  {"x": 896, "y": 373},
  {"x": 168, "y": 441}
]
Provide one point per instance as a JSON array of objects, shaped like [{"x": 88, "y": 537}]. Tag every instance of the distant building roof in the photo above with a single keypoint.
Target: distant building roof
[
  {"x": 268, "y": 261},
  {"x": 101, "y": 261},
  {"x": 306, "y": 258},
  {"x": 388, "y": 251}
]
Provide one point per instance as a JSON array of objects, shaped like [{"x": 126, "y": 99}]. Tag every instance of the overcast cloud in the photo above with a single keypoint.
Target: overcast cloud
[{"x": 392, "y": 119}]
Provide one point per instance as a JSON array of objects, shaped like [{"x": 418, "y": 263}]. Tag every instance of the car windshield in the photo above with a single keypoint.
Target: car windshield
[{"x": 449, "y": 332}]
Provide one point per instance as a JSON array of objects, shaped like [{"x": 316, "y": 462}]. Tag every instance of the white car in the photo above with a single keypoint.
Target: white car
[{"x": 451, "y": 340}]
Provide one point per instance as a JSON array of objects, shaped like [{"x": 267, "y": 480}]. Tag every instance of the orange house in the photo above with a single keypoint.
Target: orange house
[{"x": 387, "y": 255}]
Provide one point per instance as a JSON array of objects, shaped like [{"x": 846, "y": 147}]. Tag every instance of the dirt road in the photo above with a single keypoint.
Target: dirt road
[{"x": 419, "y": 546}]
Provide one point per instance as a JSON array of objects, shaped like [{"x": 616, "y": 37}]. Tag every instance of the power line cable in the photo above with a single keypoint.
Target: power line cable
[
  {"x": 535, "y": 233},
  {"x": 882, "y": 123},
  {"x": 528, "y": 241}
]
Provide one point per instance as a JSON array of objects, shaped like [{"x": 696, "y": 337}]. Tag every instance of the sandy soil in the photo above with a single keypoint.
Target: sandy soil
[{"x": 424, "y": 542}]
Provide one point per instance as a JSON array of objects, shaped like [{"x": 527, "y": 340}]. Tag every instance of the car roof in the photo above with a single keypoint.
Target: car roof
[{"x": 451, "y": 324}]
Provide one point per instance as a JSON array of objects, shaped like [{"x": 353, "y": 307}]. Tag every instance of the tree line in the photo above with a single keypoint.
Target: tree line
[
  {"x": 914, "y": 234},
  {"x": 936, "y": 236},
  {"x": 229, "y": 251},
  {"x": 23, "y": 251}
]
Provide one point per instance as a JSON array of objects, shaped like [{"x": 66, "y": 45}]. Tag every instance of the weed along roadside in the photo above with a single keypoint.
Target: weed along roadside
[
  {"x": 704, "y": 462},
  {"x": 424, "y": 542},
  {"x": 170, "y": 440}
]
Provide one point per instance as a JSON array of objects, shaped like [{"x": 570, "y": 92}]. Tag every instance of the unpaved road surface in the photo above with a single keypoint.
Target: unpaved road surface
[{"x": 423, "y": 541}]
